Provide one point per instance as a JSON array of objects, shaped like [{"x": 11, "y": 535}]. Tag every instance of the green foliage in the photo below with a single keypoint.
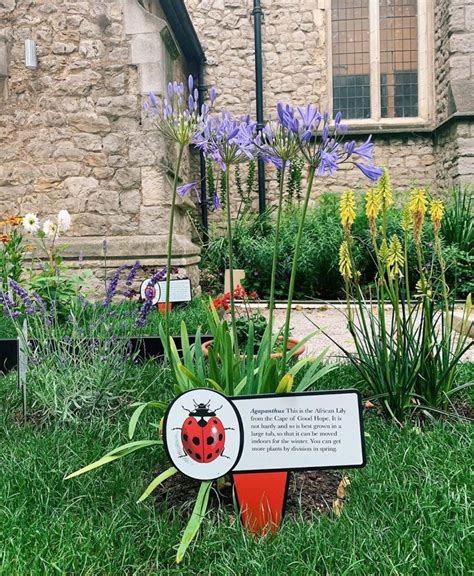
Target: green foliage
[
  {"x": 317, "y": 273},
  {"x": 12, "y": 252}
]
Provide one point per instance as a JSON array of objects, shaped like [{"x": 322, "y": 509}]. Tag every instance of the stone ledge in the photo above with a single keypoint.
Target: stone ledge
[{"x": 149, "y": 249}]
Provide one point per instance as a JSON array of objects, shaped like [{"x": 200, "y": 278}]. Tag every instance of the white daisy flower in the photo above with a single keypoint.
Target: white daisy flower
[
  {"x": 50, "y": 229},
  {"x": 31, "y": 222},
  {"x": 64, "y": 221}
]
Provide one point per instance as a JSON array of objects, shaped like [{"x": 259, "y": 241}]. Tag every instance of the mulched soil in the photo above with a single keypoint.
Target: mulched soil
[{"x": 309, "y": 493}]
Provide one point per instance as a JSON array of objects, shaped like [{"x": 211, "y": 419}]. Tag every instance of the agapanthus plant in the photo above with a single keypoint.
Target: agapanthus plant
[
  {"x": 320, "y": 142},
  {"x": 228, "y": 142},
  {"x": 178, "y": 118}
]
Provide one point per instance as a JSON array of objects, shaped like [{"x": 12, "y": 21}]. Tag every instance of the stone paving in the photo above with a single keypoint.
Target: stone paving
[{"x": 332, "y": 322}]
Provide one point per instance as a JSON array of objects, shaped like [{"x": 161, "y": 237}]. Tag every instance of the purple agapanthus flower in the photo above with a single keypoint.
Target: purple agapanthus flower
[
  {"x": 226, "y": 140},
  {"x": 186, "y": 188},
  {"x": 321, "y": 143},
  {"x": 178, "y": 117},
  {"x": 216, "y": 203}
]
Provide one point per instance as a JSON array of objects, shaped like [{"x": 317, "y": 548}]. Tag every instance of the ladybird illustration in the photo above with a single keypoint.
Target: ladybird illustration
[{"x": 203, "y": 434}]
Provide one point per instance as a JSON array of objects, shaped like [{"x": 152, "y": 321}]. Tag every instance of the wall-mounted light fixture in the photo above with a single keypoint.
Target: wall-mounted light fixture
[
  {"x": 3, "y": 59},
  {"x": 31, "y": 62}
]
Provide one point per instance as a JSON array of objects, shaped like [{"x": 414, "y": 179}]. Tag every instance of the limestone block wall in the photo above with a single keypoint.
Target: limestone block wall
[
  {"x": 73, "y": 133},
  {"x": 454, "y": 45},
  {"x": 296, "y": 70}
]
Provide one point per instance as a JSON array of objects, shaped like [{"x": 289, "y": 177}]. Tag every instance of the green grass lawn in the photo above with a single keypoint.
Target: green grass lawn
[{"x": 408, "y": 512}]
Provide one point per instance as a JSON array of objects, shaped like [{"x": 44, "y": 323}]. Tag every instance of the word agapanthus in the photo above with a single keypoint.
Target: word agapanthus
[
  {"x": 178, "y": 116},
  {"x": 227, "y": 141},
  {"x": 321, "y": 144}
]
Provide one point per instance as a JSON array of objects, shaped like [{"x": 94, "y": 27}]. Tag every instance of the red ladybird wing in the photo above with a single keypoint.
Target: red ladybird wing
[
  {"x": 191, "y": 437},
  {"x": 214, "y": 439}
]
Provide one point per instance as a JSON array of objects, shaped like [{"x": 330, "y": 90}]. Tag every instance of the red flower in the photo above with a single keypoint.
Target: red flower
[{"x": 253, "y": 295}]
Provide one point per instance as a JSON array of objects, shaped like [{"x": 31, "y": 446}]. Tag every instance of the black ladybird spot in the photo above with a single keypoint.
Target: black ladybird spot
[
  {"x": 198, "y": 456},
  {"x": 209, "y": 456},
  {"x": 190, "y": 422},
  {"x": 210, "y": 440},
  {"x": 185, "y": 437},
  {"x": 220, "y": 437},
  {"x": 196, "y": 441},
  {"x": 189, "y": 450},
  {"x": 217, "y": 451},
  {"x": 215, "y": 421}
]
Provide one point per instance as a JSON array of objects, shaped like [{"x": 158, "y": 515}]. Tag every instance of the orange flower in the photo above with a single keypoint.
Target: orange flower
[
  {"x": 4, "y": 238},
  {"x": 14, "y": 220}
]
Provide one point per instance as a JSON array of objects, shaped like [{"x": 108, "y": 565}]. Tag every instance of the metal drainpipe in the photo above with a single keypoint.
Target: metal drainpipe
[
  {"x": 202, "y": 161},
  {"x": 258, "y": 15}
]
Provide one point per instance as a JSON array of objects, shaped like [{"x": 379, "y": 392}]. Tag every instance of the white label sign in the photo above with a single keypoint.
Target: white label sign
[
  {"x": 208, "y": 435},
  {"x": 301, "y": 431},
  {"x": 180, "y": 291}
]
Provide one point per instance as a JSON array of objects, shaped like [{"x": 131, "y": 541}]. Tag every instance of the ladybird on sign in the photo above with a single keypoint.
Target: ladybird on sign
[{"x": 202, "y": 434}]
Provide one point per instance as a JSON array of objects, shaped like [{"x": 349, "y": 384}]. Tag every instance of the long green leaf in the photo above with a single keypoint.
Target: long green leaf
[
  {"x": 156, "y": 482},
  {"x": 138, "y": 412},
  {"x": 117, "y": 453},
  {"x": 195, "y": 521}
]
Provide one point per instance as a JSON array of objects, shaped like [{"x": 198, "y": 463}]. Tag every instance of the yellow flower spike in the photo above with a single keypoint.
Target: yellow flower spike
[
  {"x": 383, "y": 250},
  {"x": 436, "y": 213},
  {"x": 395, "y": 259},
  {"x": 345, "y": 267},
  {"x": 372, "y": 207},
  {"x": 347, "y": 210},
  {"x": 418, "y": 203},
  {"x": 406, "y": 218},
  {"x": 384, "y": 190}
]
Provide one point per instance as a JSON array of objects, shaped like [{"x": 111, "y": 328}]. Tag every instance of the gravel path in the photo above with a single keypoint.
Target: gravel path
[{"x": 329, "y": 320}]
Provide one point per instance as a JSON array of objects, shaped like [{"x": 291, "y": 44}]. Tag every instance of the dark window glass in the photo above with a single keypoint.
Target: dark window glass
[
  {"x": 398, "y": 58},
  {"x": 351, "y": 58}
]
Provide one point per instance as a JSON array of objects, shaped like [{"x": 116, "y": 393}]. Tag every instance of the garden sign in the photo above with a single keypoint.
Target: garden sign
[
  {"x": 259, "y": 439},
  {"x": 180, "y": 291}
]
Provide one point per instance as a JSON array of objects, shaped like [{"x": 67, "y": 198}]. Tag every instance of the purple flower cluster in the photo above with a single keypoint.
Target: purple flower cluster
[
  {"x": 147, "y": 305},
  {"x": 301, "y": 130},
  {"x": 23, "y": 296},
  {"x": 128, "y": 293},
  {"x": 178, "y": 117},
  {"x": 112, "y": 287},
  {"x": 226, "y": 140},
  {"x": 8, "y": 306},
  {"x": 320, "y": 143}
]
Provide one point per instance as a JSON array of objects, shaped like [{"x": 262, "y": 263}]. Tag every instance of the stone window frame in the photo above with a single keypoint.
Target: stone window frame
[{"x": 426, "y": 84}]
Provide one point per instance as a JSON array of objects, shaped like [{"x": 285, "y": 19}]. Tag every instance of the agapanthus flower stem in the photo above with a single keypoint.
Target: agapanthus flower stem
[
  {"x": 271, "y": 305},
  {"x": 311, "y": 173},
  {"x": 231, "y": 260},
  {"x": 169, "y": 247}
]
